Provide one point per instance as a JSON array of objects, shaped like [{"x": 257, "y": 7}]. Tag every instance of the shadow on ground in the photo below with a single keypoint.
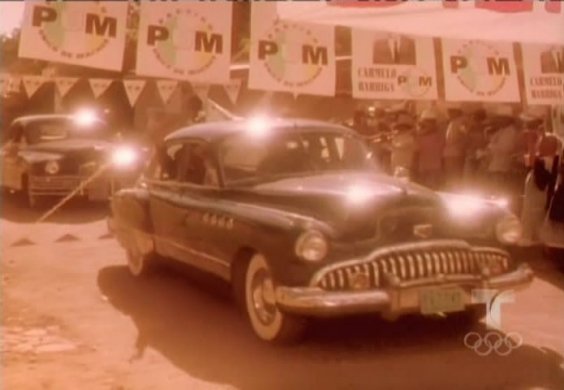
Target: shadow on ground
[
  {"x": 197, "y": 328},
  {"x": 76, "y": 211}
]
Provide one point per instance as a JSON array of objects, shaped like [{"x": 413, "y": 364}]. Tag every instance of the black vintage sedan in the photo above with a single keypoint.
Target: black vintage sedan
[
  {"x": 298, "y": 218},
  {"x": 52, "y": 155}
]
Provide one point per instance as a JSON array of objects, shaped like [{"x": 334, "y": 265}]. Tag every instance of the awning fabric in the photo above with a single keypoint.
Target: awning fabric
[{"x": 525, "y": 21}]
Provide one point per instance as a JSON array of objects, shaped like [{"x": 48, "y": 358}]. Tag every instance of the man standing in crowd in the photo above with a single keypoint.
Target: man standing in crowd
[
  {"x": 475, "y": 142},
  {"x": 455, "y": 145},
  {"x": 542, "y": 151},
  {"x": 402, "y": 145},
  {"x": 430, "y": 147},
  {"x": 501, "y": 150}
]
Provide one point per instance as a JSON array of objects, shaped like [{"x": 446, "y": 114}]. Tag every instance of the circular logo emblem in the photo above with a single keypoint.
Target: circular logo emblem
[
  {"x": 476, "y": 77},
  {"x": 418, "y": 82},
  {"x": 179, "y": 52},
  {"x": 67, "y": 33},
  {"x": 287, "y": 65}
]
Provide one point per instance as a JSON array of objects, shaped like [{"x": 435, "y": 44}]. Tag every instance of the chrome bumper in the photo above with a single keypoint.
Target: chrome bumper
[{"x": 399, "y": 299}]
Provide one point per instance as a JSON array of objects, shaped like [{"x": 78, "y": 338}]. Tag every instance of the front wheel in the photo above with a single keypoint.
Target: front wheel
[
  {"x": 268, "y": 322},
  {"x": 140, "y": 264}
]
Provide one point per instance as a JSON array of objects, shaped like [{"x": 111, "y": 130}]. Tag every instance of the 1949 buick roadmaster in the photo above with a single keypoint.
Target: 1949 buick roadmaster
[
  {"x": 51, "y": 155},
  {"x": 296, "y": 216}
]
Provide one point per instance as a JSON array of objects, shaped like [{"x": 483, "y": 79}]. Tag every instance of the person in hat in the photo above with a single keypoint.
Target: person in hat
[
  {"x": 402, "y": 145},
  {"x": 455, "y": 146},
  {"x": 430, "y": 144}
]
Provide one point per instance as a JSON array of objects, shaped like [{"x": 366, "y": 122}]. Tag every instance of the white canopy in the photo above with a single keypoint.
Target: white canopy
[{"x": 432, "y": 18}]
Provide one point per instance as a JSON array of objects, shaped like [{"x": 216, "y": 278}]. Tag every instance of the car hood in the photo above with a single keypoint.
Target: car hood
[{"x": 348, "y": 204}]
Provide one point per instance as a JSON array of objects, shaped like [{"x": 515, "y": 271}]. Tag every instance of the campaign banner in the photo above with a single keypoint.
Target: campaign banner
[
  {"x": 543, "y": 69},
  {"x": 392, "y": 66},
  {"x": 87, "y": 33},
  {"x": 480, "y": 71},
  {"x": 185, "y": 40},
  {"x": 289, "y": 56}
]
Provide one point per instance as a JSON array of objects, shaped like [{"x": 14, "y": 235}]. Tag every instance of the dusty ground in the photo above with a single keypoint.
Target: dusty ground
[{"x": 73, "y": 318}]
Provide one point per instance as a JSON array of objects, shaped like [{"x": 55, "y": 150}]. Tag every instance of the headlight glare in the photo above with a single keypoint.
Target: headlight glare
[
  {"x": 312, "y": 246},
  {"x": 509, "y": 230},
  {"x": 52, "y": 167}
]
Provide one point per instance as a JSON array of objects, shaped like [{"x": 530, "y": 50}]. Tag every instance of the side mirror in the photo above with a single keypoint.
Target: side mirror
[{"x": 402, "y": 173}]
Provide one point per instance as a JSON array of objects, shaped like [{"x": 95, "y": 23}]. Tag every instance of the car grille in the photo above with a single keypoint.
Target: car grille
[{"x": 411, "y": 262}]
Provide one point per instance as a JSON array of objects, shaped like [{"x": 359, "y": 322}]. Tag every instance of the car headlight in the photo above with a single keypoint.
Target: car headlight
[
  {"x": 509, "y": 230},
  {"x": 312, "y": 246},
  {"x": 52, "y": 167},
  {"x": 125, "y": 157}
]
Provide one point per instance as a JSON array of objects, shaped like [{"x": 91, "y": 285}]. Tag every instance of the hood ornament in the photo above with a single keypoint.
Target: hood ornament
[{"x": 423, "y": 230}]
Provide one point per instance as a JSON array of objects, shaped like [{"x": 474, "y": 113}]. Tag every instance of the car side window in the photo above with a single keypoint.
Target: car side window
[{"x": 194, "y": 163}]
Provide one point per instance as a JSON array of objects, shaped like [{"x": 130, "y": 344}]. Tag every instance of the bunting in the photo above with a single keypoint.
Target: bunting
[
  {"x": 99, "y": 86},
  {"x": 64, "y": 84},
  {"x": 32, "y": 84},
  {"x": 166, "y": 88},
  {"x": 133, "y": 89}
]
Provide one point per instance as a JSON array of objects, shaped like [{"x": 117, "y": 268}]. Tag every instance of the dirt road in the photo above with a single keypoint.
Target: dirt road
[{"x": 73, "y": 318}]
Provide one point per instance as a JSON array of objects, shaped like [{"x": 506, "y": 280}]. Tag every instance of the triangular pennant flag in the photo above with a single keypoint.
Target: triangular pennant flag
[
  {"x": 32, "y": 84},
  {"x": 13, "y": 84},
  {"x": 67, "y": 238},
  {"x": 64, "y": 84},
  {"x": 133, "y": 89},
  {"x": 166, "y": 89},
  {"x": 232, "y": 89},
  {"x": 3, "y": 83},
  {"x": 23, "y": 242},
  {"x": 99, "y": 86},
  {"x": 201, "y": 90}
]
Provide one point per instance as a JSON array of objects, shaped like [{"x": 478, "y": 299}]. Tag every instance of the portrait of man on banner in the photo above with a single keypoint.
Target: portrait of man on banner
[
  {"x": 394, "y": 50},
  {"x": 552, "y": 61}
]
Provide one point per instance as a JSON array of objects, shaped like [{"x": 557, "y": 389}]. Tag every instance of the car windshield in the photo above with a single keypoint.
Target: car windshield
[
  {"x": 247, "y": 159},
  {"x": 64, "y": 128}
]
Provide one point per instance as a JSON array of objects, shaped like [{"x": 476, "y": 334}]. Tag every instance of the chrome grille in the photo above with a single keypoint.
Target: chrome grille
[{"x": 411, "y": 263}]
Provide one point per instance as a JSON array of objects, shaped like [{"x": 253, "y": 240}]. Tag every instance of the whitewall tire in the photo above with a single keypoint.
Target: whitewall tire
[{"x": 268, "y": 322}]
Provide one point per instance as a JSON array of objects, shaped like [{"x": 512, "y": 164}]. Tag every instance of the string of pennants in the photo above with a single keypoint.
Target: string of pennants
[{"x": 133, "y": 87}]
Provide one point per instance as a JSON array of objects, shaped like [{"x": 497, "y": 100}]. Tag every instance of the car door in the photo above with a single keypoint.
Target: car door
[{"x": 182, "y": 211}]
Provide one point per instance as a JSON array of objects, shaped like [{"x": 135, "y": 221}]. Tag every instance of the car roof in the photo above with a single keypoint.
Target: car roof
[
  {"x": 216, "y": 131},
  {"x": 24, "y": 120}
]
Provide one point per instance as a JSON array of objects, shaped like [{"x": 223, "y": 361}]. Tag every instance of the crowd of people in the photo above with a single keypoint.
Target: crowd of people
[{"x": 494, "y": 153}]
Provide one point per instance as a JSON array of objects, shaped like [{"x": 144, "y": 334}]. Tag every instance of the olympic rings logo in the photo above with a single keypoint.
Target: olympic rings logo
[{"x": 493, "y": 341}]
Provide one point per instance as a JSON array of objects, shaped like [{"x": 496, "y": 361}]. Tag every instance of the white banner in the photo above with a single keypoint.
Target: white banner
[
  {"x": 233, "y": 88},
  {"x": 290, "y": 57},
  {"x": 543, "y": 69},
  {"x": 87, "y": 33},
  {"x": 166, "y": 89},
  {"x": 480, "y": 71},
  {"x": 185, "y": 40},
  {"x": 133, "y": 89},
  {"x": 392, "y": 66},
  {"x": 495, "y": 20},
  {"x": 32, "y": 84},
  {"x": 99, "y": 86},
  {"x": 64, "y": 84}
]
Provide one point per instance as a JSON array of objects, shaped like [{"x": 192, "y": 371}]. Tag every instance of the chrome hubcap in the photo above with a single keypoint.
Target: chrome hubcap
[{"x": 262, "y": 294}]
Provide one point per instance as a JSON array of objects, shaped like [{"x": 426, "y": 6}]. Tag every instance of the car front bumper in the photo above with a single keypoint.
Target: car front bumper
[{"x": 401, "y": 298}]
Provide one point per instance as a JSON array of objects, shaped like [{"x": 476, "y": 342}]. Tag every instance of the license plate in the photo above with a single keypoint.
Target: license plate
[{"x": 441, "y": 300}]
